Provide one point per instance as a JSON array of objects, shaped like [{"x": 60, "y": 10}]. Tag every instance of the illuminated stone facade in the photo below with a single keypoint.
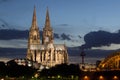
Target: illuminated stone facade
[
  {"x": 111, "y": 62},
  {"x": 46, "y": 52}
]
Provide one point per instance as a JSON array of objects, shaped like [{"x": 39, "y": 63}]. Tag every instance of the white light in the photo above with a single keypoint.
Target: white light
[
  {"x": 29, "y": 65},
  {"x": 2, "y": 79}
]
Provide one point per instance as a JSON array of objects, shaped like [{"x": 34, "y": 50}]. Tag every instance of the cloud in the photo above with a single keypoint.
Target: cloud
[
  {"x": 65, "y": 25},
  {"x": 15, "y": 43},
  {"x": 13, "y": 52},
  {"x": 65, "y": 37},
  {"x": 64, "y": 28},
  {"x": 8, "y": 34},
  {"x": 56, "y": 35},
  {"x": 6, "y": 25},
  {"x": 101, "y": 38},
  {"x": 3, "y": 23},
  {"x": 111, "y": 47},
  {"x": 2, "y": 1},
  {"x": 79, "y": 36}
]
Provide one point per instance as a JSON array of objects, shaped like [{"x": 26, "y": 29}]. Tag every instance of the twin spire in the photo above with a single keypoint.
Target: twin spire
[
  {"x": 34, "y": 19},
  {"x": 47, "y": 22}
]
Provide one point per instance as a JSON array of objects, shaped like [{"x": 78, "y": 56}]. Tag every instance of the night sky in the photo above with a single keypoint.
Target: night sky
[
  {"x": 80, "y": 16},
  {"x": 74, "y": 17}
]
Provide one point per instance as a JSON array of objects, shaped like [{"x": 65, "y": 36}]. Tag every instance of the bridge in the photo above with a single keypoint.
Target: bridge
[{"x": 111, "y": 62}]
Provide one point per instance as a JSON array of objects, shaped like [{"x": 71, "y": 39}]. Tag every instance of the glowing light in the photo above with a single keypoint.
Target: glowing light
[
  {"x": 101, "y": 78},
  {"x": 58, "y": 76},
  {"x": 103, "y": 65},
  {"x": 2, "y": 79},
  {"x": 36, "y": 75},
  {"x": 72, "y": 76},
  {"x": 115, "y": 78},
  {"x": 86, "y": 78}
]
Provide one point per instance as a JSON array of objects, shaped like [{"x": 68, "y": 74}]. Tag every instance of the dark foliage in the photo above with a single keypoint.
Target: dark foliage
[
  {"x": 63, "y": 70},
  {"x": 2, "y": 69},
  {"x": 14, "y": 70}
]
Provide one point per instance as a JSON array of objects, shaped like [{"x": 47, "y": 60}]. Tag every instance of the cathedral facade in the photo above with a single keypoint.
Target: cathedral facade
[{"x": 45, "y": 51}]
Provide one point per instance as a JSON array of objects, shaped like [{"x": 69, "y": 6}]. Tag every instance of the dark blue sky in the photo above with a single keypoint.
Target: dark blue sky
[{"x": 76, "y": 16}]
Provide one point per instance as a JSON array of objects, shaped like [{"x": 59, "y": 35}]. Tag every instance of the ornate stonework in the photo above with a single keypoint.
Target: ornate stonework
[
  {"x": 34, "y": 39},
  {"x": 46, "y": 53},
  {"x": 47, "y": 31}
]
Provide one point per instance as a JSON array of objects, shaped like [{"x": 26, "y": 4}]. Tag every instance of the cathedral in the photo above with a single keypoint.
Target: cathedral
[{"x": 44, "y": 51}]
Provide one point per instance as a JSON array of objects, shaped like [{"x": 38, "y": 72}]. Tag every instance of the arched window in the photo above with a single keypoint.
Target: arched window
[{"x": 35, "y": 37}]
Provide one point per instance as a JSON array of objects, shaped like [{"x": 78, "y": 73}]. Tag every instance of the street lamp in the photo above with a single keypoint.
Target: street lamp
[
  {"x": 86, "y": 78},
  {"x": 101, "y": 78},
  {"x": 115, "y": 78}
]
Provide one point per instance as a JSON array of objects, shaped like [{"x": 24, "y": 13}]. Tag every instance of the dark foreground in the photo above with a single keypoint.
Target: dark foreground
[{"x": 12, "y": 71}]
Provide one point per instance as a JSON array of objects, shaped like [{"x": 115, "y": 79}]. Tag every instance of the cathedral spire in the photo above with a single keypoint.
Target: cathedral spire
[
  {"x": 34, "y": 19},
  {"x": 47, "y": 21},
  {"x": 34, "y": 39},
  {"x": 47, "y": 31}
]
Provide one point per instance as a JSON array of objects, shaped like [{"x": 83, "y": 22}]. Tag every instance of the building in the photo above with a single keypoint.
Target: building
[
  {"x": 45, "y": 51},
  {"x": 87, "y": 67}
]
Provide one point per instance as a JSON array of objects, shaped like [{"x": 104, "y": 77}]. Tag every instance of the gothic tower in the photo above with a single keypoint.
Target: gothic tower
[
  {"x": 33, "y": 40},
  {"x": 47, "y": 31},
  {"x": 47, "y": 53}
]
